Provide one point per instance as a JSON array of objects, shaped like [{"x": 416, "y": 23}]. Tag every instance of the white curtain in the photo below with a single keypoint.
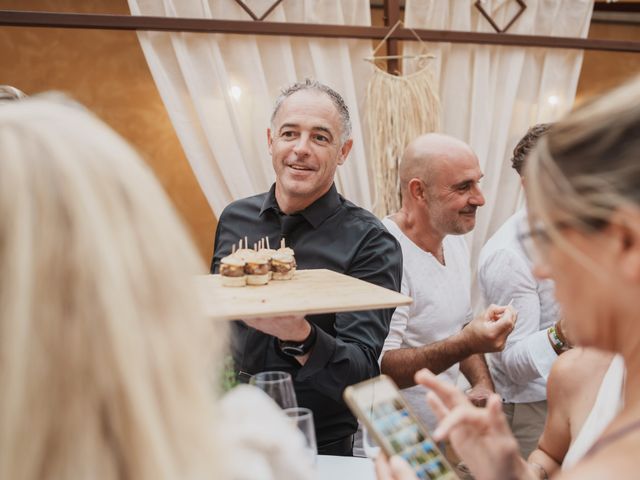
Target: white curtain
[
  {"x": 219, "y": 89},
  {"x": 490, "y": 95}
]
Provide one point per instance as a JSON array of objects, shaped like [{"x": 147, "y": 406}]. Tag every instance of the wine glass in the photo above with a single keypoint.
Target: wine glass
[
  {"x": 278, "y": 385},
  {"x": 302, "y": 418}
]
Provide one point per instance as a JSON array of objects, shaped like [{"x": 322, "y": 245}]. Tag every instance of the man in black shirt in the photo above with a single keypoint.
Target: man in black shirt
[{"x": 309, "y": 137}]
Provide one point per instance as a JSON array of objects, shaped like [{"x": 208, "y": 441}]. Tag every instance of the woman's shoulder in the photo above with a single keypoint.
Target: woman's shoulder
[
  {"x": 574, "y": 381},
  {"x": 578, "y": 365}
]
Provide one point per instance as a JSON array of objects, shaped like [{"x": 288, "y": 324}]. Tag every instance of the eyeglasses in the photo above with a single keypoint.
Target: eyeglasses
[{"x": 536, "y": 240}]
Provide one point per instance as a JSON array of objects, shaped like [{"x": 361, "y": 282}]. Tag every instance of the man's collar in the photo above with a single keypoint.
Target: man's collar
[
  {"x": 321, "y": 209},
  {"x": 270, "y": 202},
  {"x": 315, "y": 214}
]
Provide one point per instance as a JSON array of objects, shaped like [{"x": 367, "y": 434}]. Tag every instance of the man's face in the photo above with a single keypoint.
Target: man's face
[
  {"x": 305, "y": 147},
  {"x": 454, "y": 194}
]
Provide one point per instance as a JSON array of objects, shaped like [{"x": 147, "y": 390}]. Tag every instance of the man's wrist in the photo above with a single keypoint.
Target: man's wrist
[
  {"x": 300, "y": 335},
  {"x": 464, "y": 342},
  {"x": 299, "y": 348},
  {"x": 483, "y": 382}
]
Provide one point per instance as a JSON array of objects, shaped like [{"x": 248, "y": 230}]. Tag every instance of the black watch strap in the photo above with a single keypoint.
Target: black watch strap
[{"x": 297, "y": 349}]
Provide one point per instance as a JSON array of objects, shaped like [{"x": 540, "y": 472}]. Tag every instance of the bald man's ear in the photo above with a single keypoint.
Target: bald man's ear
[{"x": 416, "y": 189}]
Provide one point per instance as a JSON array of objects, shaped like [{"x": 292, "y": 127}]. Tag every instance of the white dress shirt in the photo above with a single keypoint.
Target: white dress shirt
[
  {"x": 441, "y": 305},
  {"x": 520, "y": 371}
]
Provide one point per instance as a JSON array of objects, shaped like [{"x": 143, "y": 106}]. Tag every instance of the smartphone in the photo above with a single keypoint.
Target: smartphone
[{"x": 380, "y": 407}]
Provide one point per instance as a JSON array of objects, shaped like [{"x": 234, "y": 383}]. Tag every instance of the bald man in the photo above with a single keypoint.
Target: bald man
[{"x": 439, "y": 178}]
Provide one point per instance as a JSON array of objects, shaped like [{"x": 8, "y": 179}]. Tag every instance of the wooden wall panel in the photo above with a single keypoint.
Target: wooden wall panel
[
  {"x": 603, "y": 70},
  {"x": 107, "y": 72}
]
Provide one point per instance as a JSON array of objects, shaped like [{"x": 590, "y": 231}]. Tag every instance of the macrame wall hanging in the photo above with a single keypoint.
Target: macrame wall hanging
[{"x": 399, "y": 109}]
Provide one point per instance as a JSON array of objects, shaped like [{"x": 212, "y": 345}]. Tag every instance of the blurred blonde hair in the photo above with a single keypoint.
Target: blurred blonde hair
[
  {"x": 106, "y": 359},
  {"x": 588, "y": 164}
]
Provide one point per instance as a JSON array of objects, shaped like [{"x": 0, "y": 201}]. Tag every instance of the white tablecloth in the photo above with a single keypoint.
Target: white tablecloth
[{"x": 347, "y": 468}]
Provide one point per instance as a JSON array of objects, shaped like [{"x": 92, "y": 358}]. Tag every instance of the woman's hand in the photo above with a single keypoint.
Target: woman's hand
[
  {"x": 480, "y": 436},
  {"x": 394, "y": 469}
]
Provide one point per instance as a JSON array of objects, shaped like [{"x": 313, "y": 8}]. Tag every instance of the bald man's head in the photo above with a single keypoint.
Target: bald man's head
[
  {"x": 440, "y": 178},
  {"x": 426, "y": 154}
]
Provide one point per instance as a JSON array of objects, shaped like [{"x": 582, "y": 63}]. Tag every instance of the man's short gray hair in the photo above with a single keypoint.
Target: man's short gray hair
[{"x": 334, "y": 96}]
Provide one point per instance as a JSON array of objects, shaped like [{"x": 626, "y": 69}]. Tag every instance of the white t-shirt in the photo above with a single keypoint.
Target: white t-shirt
[
  {"x": 441, "y": 305},
  {"x": 520, "y": 371}
]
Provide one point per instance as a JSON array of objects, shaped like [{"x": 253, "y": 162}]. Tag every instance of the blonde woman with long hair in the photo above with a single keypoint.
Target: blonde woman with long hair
[
  {"x": 583, "y": 194},
  {"x": 107, "y": 366}
]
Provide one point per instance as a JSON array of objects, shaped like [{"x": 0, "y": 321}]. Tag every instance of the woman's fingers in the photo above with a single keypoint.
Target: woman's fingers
[
  {"x": 467, "y": 416},
  {"x": 437, "y": 406},
  {"x": 496, "y": 415},
  {"x": 394, "y": 469},
  {"x": 383, "y": 470},
  {"x": 449, "y": 394},
  {"x": 482, "y": 420},
  {"x": 401, "y": 469}
]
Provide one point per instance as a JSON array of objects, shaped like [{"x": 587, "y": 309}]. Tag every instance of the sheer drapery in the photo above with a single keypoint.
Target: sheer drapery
[
  {"x": 219, "y": 89},
  {"x": 490, "y": 95}
]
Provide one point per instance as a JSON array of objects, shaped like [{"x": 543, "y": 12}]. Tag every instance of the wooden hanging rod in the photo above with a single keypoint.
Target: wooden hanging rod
[
  {"x": 597, "y": 6},
  {"x": 15, "y": 18}
]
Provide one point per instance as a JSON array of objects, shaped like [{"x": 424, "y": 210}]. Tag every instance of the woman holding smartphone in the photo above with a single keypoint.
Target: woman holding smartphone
[
  {"x": 583, "y": 194},
  {"x": 108, "y": 365}
]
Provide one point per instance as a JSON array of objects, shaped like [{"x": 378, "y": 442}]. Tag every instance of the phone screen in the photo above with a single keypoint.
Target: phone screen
[{"x": 377, "y": 402}]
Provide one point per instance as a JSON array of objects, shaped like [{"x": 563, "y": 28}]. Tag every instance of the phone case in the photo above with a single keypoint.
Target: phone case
[{"x": 394, "y": 427}]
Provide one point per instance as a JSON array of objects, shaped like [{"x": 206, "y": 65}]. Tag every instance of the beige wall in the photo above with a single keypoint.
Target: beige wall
[
  {"x": 603, "y": 70},
  {"x": 106, "y": 71}
]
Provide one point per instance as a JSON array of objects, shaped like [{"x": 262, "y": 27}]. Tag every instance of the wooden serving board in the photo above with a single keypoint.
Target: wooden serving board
[{"x": 308, "y": 292}]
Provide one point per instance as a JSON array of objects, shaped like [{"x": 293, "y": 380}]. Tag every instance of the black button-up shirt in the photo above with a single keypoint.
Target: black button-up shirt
[{"x": 331, "y": 233}]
